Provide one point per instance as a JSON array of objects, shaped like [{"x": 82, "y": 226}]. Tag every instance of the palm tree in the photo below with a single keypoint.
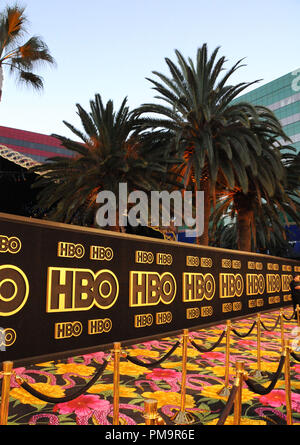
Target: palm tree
[
  {"x": 212, "y": 134},
  {"x": 270, "y": 238},
  {"x": 260, "y": 214},
  {"x": 291, "y": 162},
  {"x": 109, "y": 151},
  {"x": 20, "y": 57}
]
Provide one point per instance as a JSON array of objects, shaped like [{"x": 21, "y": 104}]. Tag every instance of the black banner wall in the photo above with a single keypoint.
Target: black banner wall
[{"x": 66, "y": 289}]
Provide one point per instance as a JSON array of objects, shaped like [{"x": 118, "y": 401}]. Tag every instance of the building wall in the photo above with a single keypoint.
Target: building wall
[
  {"x": 282, "y": 96},
  {"x": 37, "y": 146}
]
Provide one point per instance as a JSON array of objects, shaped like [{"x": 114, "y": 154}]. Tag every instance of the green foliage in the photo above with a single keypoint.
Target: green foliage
[
  {"x": 21, "y": 57},
  {"x": 195, "y": 135},
  {"x": 271, "y": 212},
  {"x": 110, "y": 151},
  {"x": 211, "y": 133}
]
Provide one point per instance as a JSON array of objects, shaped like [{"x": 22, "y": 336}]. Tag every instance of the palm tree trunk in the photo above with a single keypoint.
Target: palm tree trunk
[
  {"x": 204, "y": 238},
  {"x": 244, "y": 219}
]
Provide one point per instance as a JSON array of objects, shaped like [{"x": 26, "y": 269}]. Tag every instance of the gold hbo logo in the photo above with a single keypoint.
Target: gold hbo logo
[
  {"x": 70, "y": 250},
  {"x": 14, "y": 290},
  {"x": 10, "y": 245},
  {"x": 7, "y": 337},
  {"x": 68, "y": 329}
]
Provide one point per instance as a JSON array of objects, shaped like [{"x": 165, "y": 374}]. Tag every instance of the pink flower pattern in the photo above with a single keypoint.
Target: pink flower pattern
[{"x": 97, "y": 407}]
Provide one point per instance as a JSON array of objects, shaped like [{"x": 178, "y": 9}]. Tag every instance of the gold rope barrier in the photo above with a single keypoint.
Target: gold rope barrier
[
  {"x": 257, "y": 373},
  {"x": 258, "y": 344},
  {"x": 241, "y": 374},
  {"x": 116, "y": 382},
  {"x": 237, "y": 413},
  {"x": 287, "y": 380},
  {"x": 224, "y": 392},
  {"x": 282, "y": 328},
  {"x": 150, "y": 413},
  {"x": 185, "y": 339},
  {"x": 7, "y": 373},
  {"x": 182, "y": 417}
]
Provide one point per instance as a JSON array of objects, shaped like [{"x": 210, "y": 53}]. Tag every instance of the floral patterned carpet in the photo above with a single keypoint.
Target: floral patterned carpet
[{"x": 205, "y": 379}]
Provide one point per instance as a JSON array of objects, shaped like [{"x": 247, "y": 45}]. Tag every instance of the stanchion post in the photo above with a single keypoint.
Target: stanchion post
[
  {"x": 151, "y": 415},
  {"x": 7, "y": 373},
  {"x": 182, "y": 417},
  {"x": 282, "y": 328},
  {"x": 225, "y": 391},
  {"x": 228, "y": 331},
  {"x": 287, "y": 379},
  {"x": 116, "y": 383},
  {"x": 237, "y": 413},
  {"x": 258, "y": 343},
  {"x": 185, "y": 338},
  {"x": 298, "y": 314},
  {"x": 257, "y": 373},
  {"x": 150, "y": 411}
]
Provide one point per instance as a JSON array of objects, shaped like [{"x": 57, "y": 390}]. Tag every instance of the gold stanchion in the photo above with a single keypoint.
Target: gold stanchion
[
  {"x": 116, "y": 383},
  {"x": 287, "y": 379},
  {"x": 185, "y": 339},
  {"x": 282, "y": 328},
  {"x": 257, "y": 373},
  {"x": 7, "y": 373},
  {"x": 150, "y": 413},
  {"x": 237, "y": 413},
  {"x": 182, "y": 417},
  {"x": 258, "y": 343},
  {"x": 298, "y": 314},
  {"x": 226, "y": 391}
]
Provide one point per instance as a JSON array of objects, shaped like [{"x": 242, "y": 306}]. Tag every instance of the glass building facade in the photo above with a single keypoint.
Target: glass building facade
[{"x": 282, "y": 96}]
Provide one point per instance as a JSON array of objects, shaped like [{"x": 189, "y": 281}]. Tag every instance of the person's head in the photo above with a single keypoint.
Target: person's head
[{"x": 297, "y": 278}]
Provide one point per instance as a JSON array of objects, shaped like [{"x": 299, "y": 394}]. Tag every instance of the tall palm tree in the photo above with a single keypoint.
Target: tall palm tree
[
  {"x": 109, "y": 152},
  {"x": 212, "y": 134},
  {"x": 260, "y": 214},
  {"x": 21, "y": 58}
]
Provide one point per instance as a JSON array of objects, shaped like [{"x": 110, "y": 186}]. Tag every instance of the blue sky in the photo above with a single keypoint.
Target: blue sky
[{"x": 111, "y": 46}]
